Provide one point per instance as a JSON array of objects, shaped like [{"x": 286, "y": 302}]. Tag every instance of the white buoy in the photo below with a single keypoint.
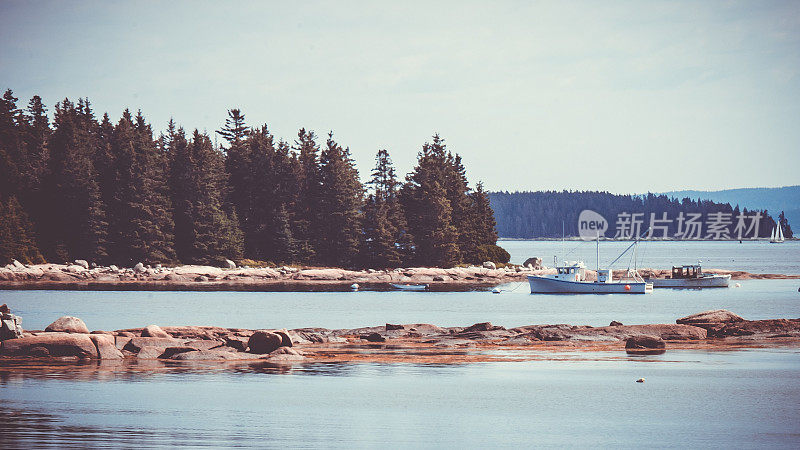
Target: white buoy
[
  {"x": 354, "y": 286},
  {"x": 737, "y": 285},
  {"x": 496, "y": 290}
]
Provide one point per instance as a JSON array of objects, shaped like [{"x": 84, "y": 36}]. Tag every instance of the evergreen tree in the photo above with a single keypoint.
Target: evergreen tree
[
  {"x": 10, "y": 145},
  {"x": 427, "y": 207},
  {"x": 306, "y": 210},
  {"x": 340, "y": 207},
  {"x": 142, "y": 224},
  {"x": 16, "y": 240},
  {"x": 74, "y": 225},
  {"x": 386, "y": 241}
]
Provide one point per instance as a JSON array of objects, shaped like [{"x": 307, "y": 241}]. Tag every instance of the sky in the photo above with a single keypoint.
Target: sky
[{"x": 624, "y": 96}]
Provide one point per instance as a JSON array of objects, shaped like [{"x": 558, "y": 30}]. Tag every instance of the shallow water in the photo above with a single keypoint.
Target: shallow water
[
  {"x": 749, "y": 256},
  {"x": 711, "y": 399}
]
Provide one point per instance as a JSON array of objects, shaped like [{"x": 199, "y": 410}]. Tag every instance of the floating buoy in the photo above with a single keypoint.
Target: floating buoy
[
  {"x": 640, "y": 380},
  {"x": 496, "y": 290},
  {"x": 354, "y": 286},
  {"x": 737, "y": 285},
  {"x": 627, "y": 287}
]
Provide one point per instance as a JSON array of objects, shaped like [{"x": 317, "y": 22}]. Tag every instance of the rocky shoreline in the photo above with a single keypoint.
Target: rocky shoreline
[
  {"x": 82, "y": 276},
  {"x": 69, "y": 339}
]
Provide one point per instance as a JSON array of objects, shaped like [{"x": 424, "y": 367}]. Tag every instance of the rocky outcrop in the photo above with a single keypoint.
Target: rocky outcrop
[
  {"x": 10, "y": 324},
  {"x": 67, "y": 324},
  {"x": 712, "y": 321},
  {"x": 645, "y": 344},
  {"x": 154, "y": 331},
  {"x": 51, "y": 345},
  {"x": 264, "y": 342}
]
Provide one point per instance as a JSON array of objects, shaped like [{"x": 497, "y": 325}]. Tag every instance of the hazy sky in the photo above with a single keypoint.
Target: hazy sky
[{"x": 620, "y": 96}]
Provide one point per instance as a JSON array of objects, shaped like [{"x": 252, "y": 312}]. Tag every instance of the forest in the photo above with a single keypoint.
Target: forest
[
  {"x": 548, "y": 214},
  {"x": 115, "y": 193}
]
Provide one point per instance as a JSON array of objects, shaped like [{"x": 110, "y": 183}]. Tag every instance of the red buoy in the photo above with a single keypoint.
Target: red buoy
[{"x": 627, "y": 287}]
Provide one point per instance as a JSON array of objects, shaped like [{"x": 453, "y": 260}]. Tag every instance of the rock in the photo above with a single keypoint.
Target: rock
[
  {"x": 239, "y": 343},
  {"x": 489, "y": 265},
  {"x": 438, "y": 278},
  {"x": 286, "y": 341},
  {"x": 483, "y": 326},
  {"x": 645, "y": 344},
  {"x": 640, "y": 380},
  {"x": 201, "y": 278},
  {"x": 51, "y": 344},
  {"x": 169, "y": 352},
  {"x": 373, "y": 337},
  {"x": 533, "y": 263},
  {"x": 114, "y": 268},
  {"x": 390, "y": 327},
  {"x": 74, "y": 268},
  {"x": 4, "y": 309},
  {"x": 154, "y": 331},
  {"x": 10, "y": 326},
  {"x": 137, "y": 344},
  {"x": 83, "y": 263},
  {"x": 17, "y": 264},
  {"x": 67, "y": 324},
  {"x": 150, "y": 352},
  {"x": 710, "y": 317},
  {"x": 262, "y": 342},
  {"x": 106, "y": 348},
  {"x": 205, "y": 355},
  {"x": 285, "y": 354},
  {"x": 614, "y": 323},
  {"x": 229, "y": 264},
  {"x": 139, "y": 267},
  {"x": 205, "y": 344}
]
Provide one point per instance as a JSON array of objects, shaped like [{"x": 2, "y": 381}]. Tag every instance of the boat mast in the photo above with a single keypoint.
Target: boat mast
[{"x": 597, "y": 256}]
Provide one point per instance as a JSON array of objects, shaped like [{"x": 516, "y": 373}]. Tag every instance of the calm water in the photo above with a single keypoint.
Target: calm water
[
  {"x": 740, "y": 399},
  {"x": 749, "y": 256},
  {"x": 745, "y": 398}
]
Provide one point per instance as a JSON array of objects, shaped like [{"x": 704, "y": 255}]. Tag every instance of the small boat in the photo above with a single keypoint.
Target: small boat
[
  {"x": 776, "y": 237},
  {"x": 691, "y": 276},
  {"x": 410, "y": 287},
  {"x": 571, "y": 279}
]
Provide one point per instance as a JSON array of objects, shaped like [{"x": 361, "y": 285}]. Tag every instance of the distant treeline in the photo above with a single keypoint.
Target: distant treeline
[
  {"x": 112, "y": 193},
  {"x": 542, "y": 214}
]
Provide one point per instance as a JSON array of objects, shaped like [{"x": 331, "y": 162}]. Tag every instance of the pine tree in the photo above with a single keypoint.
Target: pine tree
[
  {"x": 306, "y": 210},
  {"x": 427, "y": 207},
  {"x": 386, "y": 241},
  {"x": 11, "y": 148},
  {"x": 342, "y": 198},
  {"x": 16, "y": 239},
  {"x": 142, "y": 226},
  {"x": 75, "y": 225}
]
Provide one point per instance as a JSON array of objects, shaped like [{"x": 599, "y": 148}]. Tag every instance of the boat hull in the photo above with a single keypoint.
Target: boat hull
[
  {"x": 691, "y": 283},
  {"x": 544, "y": 285},
  {"x": 410, "y": 287}
]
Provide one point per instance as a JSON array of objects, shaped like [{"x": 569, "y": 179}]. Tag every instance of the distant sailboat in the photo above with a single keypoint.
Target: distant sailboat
[{"x": 776, "y": 237}]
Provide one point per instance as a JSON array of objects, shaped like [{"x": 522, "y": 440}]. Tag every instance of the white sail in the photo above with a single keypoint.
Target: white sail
[
  {"x": 772, "y": 235},
  {"x": 780, "y": 233}
]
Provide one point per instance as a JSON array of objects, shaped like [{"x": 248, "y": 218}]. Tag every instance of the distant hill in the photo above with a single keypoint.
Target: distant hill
[{"x": 774, "y": 200}]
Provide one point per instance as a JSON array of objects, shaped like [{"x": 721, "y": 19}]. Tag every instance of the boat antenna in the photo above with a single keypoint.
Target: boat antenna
[
  {"x": 635, "y": 241},
  {"x": 597, "y": 260}
]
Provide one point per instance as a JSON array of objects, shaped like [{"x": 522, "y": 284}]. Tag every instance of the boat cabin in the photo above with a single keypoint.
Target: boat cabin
[
  {"x": 690, "y": 271},
  {"x": 572, "y": 272}
]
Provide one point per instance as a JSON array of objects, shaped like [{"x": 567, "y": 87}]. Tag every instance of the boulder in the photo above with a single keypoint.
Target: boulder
[
  {"x": 285, "y": 354},
  {"x": 83, "y": 263},
  {"x": 205, "y": 355},
  {"x": 150, "y": 352},
  {"x": 137, "y": 344},
  {"x": 483, "y": 326},
  {"x": 139, "y": 267},
  {"x": 67, "y": 324},
  {"x": 51, "y": 344},
  {"x": 286, "y": 341},
  {"x": 4, "y": 309},
  {"x": 645, "y": 344},
  {"x": 106, "y": 348},
  {"x": 262, "y": 342},
  {"x": 238, "y": 343},
  {"x": 614, "y": 323},
  {"x": 390, "y": 327},
  {"x": 489, "y": 265},
  {"x": 373, "y": 337},
  {"x": 154, "y": 331},
  {"x": 716, "y": 316},
  {"x": 17, "y": 264},
  {"x": 229, "y": 264},
  {"x": 169, "y": 352},
  {"x": 10, "y": 325},
  {"x": 533, "y": 263}
]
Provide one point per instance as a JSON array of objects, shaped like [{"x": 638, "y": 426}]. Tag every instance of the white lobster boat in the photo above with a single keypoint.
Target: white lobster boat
[
  {"x": 691, "y": 277},
  {"x": 571, "y": 279}
]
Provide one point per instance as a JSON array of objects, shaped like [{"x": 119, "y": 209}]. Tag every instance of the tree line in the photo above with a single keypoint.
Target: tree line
[
  {"x": 114, "y": 193},
  {"x": 548, "y": 214}
]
